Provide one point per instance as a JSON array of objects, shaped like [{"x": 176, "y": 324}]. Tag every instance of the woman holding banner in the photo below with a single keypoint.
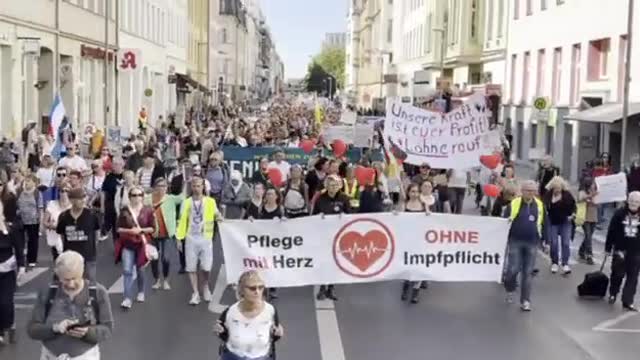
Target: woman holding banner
[
  {"x": 414, "y": 204},
  {"x": 271, "y": 210}
]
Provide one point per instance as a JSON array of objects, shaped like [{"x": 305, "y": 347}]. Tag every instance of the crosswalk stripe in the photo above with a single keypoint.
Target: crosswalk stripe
[
  {"x": 30, "y": 275},
  {"x": 117, "y": 287}
]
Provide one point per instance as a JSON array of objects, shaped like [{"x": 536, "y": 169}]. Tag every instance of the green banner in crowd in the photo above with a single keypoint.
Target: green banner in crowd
[{"x": 247, "y": 160}]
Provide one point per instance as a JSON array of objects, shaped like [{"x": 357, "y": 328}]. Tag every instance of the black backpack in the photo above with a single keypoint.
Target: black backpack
[
  {"x": 224, "y": 336},
  {"x": 93, "y": 300}
]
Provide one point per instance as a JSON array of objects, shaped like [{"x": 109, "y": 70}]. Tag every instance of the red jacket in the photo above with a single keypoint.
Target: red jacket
[{"x": 146, "y": 219}]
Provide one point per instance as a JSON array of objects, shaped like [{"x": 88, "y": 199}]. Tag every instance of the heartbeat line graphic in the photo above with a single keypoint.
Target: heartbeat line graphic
[{"x": 368, "y": 250}]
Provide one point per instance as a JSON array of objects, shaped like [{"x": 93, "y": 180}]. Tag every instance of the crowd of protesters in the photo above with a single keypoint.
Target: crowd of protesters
[{"x": 169, "y": 185}]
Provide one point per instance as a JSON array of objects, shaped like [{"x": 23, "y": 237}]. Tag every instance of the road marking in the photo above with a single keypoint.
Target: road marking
[
  {"x": 25, "y": 296},
  {"x": 328, "y": 330},
  {"x": 30, "y": 275},
  {"x": 117, "y": 287},
  {"x": 24, "y": 306},
  {"x": 608, "y": 325},
  {"x": 218, "y": 290}
]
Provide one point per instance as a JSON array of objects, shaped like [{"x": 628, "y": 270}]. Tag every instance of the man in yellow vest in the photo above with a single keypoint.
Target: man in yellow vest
[
  {"x": 197, "y": 225},
  {"x": 526, "y": 215}
]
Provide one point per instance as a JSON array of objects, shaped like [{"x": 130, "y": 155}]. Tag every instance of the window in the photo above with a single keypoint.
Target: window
[
  {"x": 540, "y": 73},
  {"x": 533, "y": 132},
  {"x": 512, "y": 81},
  {"x": 529, "y": 7},
  {"x": 429, "y": 31},
  {"x": 576, "y": 54},
  {"x": 474, "y": 20},
  {"x": 559, "y": 2},
  {"x": 598, "y": 59},
  {"x": 91, "y": 5},
  {"x": 100, "y": 9},
  {"x": 454, "y": 17},
  {"x": 390, "y": 30},
  {"x": 500, "y": 17},
  {"x": 223, "y": 36},
  {"x": 525, "y": 77},
  {"x": 556, "y": 77},
  {"x": 516, "y": 9},
  {"x": 543, "y": 5},
  {"x": 490, "y": 19}
]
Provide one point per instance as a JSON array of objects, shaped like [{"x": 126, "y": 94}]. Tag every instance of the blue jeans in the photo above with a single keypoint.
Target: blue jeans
[
  {"x": 228, "y": 355},
  {"x": 560, "y": 233},
  {"x": 521, "y": 260},
  {"x": 131, "y": 272}
]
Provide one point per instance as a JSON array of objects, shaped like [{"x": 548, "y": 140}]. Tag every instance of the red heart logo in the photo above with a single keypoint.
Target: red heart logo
[{"x": 363, "y": 251}]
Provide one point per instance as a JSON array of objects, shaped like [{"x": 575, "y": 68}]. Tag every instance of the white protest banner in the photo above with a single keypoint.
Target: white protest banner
[
  {"x": 366, "y": 248},
  {"x": 611, "y": 188},
  {"x": 342, "y": 132},
  {"x": 443, "y": 140},
  {"x": 348, "y": 117},
  {"x": 363, "y": 135}
]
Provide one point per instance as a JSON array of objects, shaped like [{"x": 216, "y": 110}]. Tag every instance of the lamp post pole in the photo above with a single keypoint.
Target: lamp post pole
[{"x": 627, "y": 80}]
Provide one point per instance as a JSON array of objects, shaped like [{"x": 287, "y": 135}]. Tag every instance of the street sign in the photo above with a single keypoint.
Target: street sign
[{"x": 541, "y": 107}]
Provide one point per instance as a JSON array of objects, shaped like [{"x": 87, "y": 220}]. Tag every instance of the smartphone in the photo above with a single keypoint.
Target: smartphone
[{"x": 79, "y": 325}]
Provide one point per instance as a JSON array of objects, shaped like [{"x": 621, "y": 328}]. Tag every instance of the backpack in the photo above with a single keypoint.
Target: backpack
[
  {"x": 93, "y": 300},
  {"x": 225, "y": 335}
]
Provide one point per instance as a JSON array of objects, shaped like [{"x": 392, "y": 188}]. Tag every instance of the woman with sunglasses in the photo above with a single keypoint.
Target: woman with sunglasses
[
  {"x": 136, "y": 225},
  {"x": 249, "y": 328},
  {"x": 50, "y": 220}
]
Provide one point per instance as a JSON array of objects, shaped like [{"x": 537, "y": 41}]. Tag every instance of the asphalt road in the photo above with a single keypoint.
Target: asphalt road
[{"x": 368, "y": 322}]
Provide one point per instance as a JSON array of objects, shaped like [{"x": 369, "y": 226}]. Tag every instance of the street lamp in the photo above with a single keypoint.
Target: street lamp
[
  {"x": 330, "y": 83},
  {"x": 380, "y": 53},
  {"x": 627, "y": 80}
]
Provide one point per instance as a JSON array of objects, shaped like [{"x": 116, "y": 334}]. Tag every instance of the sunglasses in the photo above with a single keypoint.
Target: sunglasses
[
  {"x": 64, "y": 190},
  {"x": 256, "y": 288},
  {"x": 60, "y": 175},
  {"x": 136, "y": 195}
]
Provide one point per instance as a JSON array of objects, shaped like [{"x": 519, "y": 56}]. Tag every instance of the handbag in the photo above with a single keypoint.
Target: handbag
[
  {"x": 581, "y": 213},
  {"x": 150, "y": 251}
]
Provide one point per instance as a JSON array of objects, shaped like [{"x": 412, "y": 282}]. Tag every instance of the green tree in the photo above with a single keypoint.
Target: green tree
[
  {"x": 332, "y": 60},
  {"x": 316, "y": 79}
]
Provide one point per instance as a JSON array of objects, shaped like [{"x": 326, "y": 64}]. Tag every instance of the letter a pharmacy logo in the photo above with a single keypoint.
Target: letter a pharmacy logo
[{"x": 363, "y": 248}]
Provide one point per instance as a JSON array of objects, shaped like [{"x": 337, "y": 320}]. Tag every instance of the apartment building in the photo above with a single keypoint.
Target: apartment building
[
  {"x": 30, "y": 37},
  {"x": 571, "y": 52},
  {"x": 369, "y": 55}
]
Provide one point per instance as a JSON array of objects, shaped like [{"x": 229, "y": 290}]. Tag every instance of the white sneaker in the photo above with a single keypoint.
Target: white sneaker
[
  {"x": 566, "y": 269},
  {"x": 206, "y": 294},
  {"x": 126, "y": 304},
  {"x": 195, "y": 299},
  {"x": 526, "y": 306},
  {"x": 157, "y": 285},
  {"x": 554, "y": 268},
  {"x": 165, "y": 285},
  {"x": 510, "y": 297},
  {"x": 140, "y": 297}
]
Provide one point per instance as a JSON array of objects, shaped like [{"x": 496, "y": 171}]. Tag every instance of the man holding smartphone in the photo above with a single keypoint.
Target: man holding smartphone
[{"x": 72, "y": 316}]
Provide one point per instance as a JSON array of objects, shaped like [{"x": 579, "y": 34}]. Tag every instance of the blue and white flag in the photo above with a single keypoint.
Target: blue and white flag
[{"x": 57, "y": 123}]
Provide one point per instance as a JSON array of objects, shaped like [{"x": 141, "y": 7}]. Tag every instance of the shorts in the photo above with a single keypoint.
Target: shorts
[{"x": 198, "y": 249}]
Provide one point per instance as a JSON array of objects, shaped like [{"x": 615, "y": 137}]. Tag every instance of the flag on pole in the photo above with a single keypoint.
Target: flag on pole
[{"x": 57, "y": 123}]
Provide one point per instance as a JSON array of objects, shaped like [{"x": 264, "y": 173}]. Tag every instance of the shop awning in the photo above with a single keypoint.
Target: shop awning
[
  {"x": 606, "y": 113},
  {"x": 188, "y": 80}
]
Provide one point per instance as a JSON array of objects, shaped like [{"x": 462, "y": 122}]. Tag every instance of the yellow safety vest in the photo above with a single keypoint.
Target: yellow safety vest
[
  {"x": 515, "y": 210},
  {"x": 352, "y": 193},
  {"x": 209, "y": 218}
]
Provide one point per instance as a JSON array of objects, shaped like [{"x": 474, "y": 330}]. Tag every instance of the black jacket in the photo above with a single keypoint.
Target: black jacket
[
  {"x": 624, "y": 232},
  {"x": 332, "y": 205}
]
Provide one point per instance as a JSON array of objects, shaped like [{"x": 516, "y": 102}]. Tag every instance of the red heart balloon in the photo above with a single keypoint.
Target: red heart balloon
[
  {"x": 307, "y": 146},
  {"x": 364, "y": 175},
  {"x": 491, "y": 190},
  {"x": 491, "y": 161},
  {"x": 275, "y": 176},
  {"x": 339, "y": 147}
]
